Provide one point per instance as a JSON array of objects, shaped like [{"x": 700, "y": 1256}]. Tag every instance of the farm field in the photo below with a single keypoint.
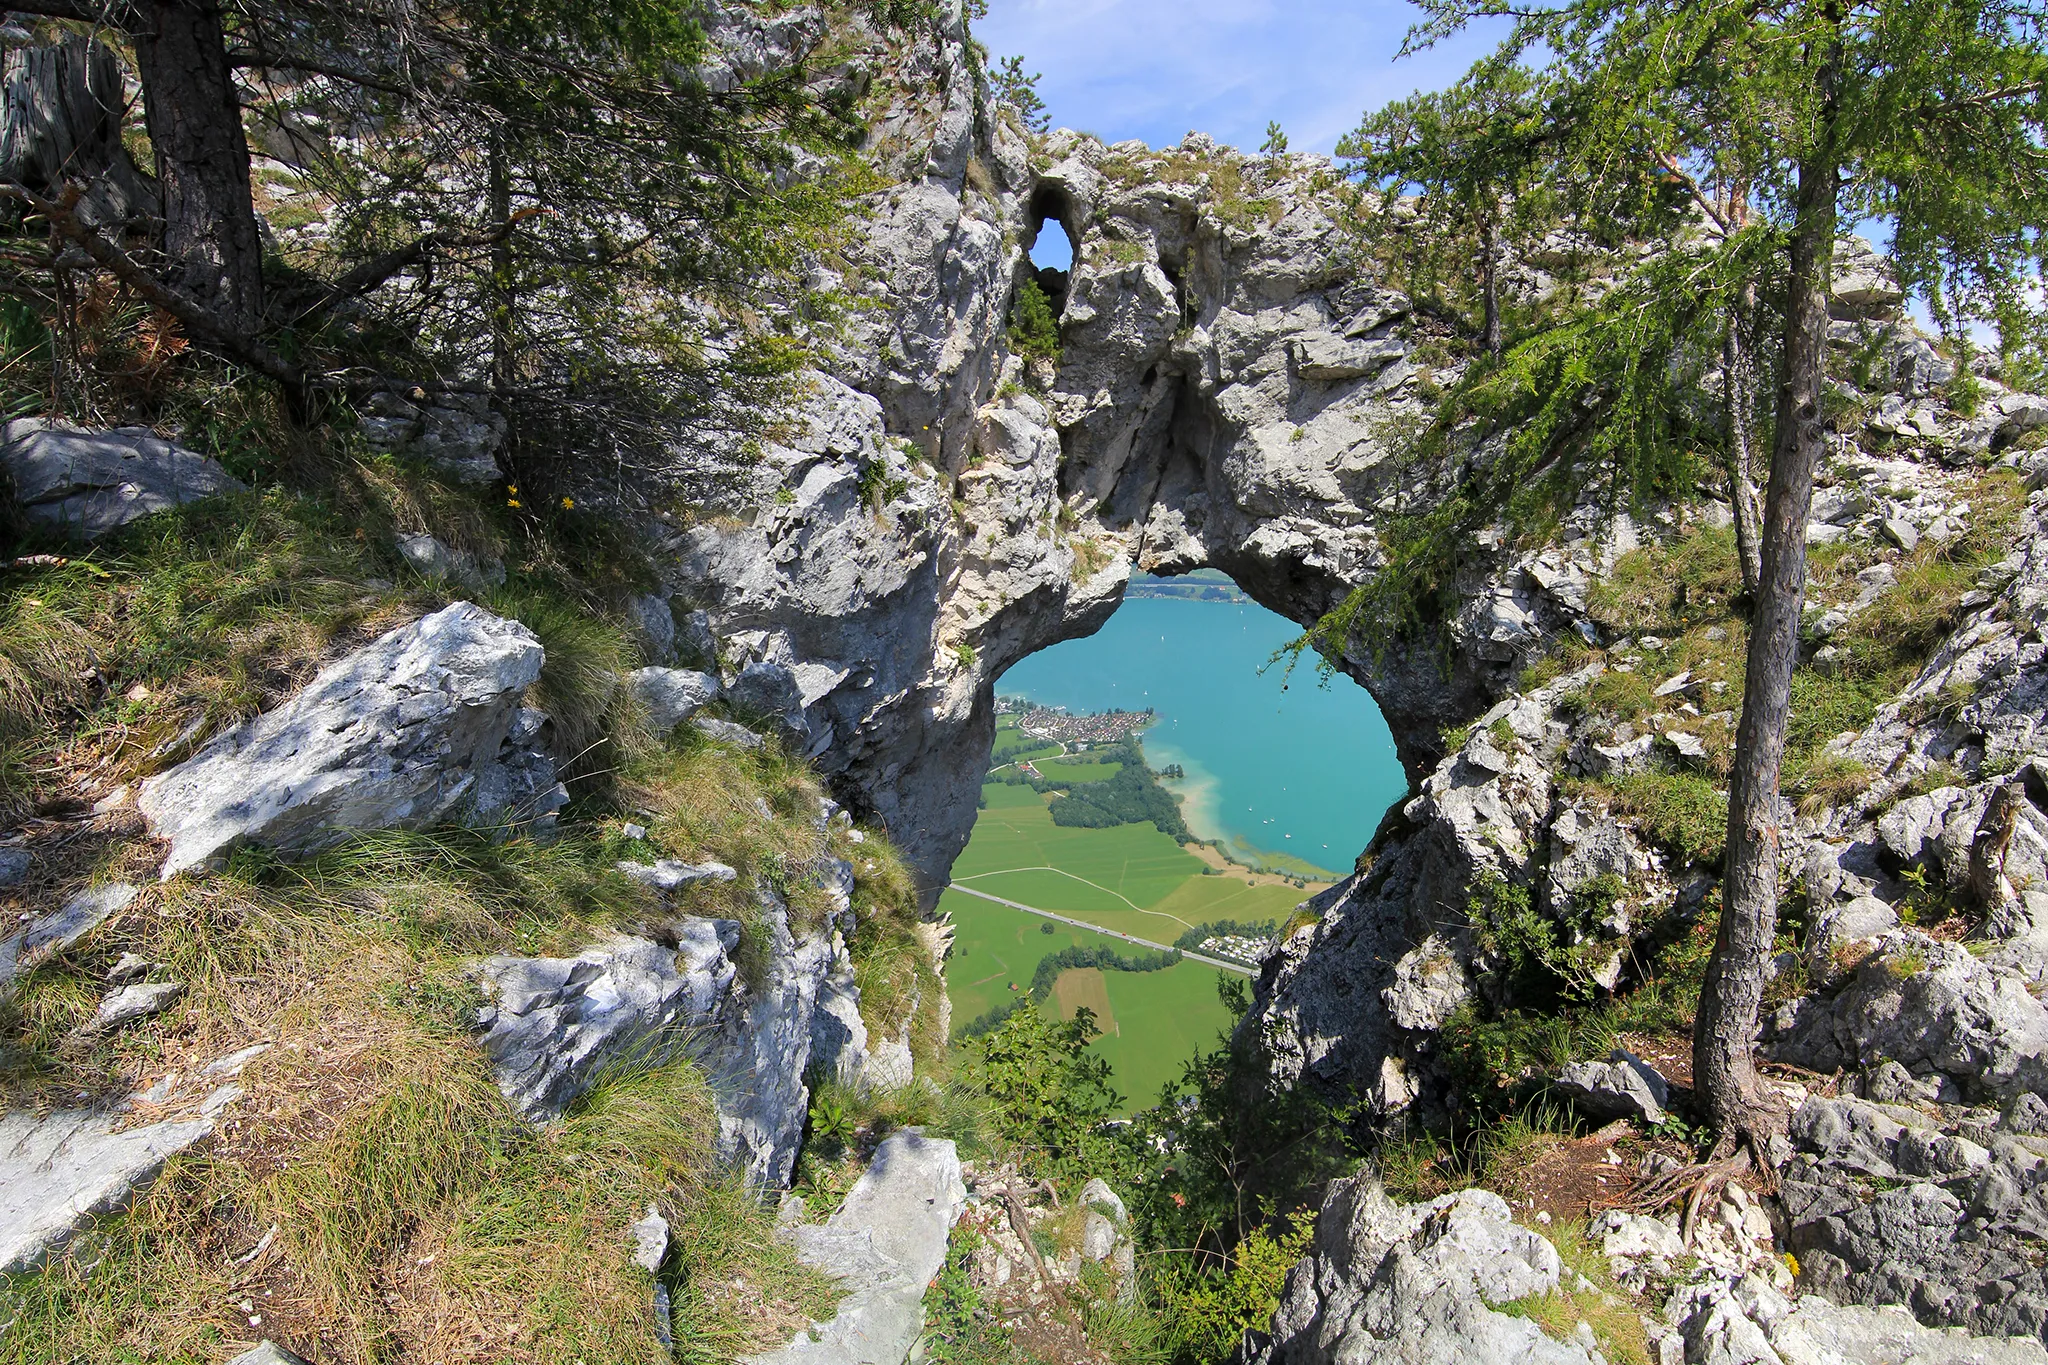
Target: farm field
[
  {"x": 1130, "y": 878},
  {"x": 1154, "y": 1021}
]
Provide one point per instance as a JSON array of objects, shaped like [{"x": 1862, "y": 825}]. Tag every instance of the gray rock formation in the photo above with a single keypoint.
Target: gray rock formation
[
  {"x": 60, "y": 1171},
  {"x": 405, "y": 732},
  {"x": 669, "y": 875},
  {"x": 553, "y": 1024},
  {"x": 47, "y": 935},
  {"x": 84, "y": 484},
  {"x": 1389, "y": 1284},
  {"x": 1622, "y": 1087},
  {"x": 1888, "y": 1205},
  {"x": 669, "y": 696},
  {"x": 457, "y": 433},
  {"x": 883, "y": 1247},
  {"x": 1748, "y": 1322}
]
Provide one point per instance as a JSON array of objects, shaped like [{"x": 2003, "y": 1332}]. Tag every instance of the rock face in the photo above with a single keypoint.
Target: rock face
[
  {"x": 1747, "y": 1322},
  {"x": 926, "y": 517},
  {"x": 552, "y": 1025},
  {"x": 84, "y": 484},
  {"x": 1886, "y": 1204},
  {"x": 61, "y": 1171},
  {"x": 883, "y": 1247},
  {"x": 1422, "y": 1282},
  {"x": 406, "y": 732}
]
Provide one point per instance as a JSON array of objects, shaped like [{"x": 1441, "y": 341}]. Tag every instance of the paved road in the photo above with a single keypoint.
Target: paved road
[{"x": 1217, "y": 962}]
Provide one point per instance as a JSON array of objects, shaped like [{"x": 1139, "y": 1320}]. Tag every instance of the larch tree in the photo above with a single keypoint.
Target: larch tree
[{"x": 1771, "y": 128}]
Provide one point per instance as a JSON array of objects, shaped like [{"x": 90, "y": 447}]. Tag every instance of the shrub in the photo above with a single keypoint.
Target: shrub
[{"x": 1034, "y": 331}]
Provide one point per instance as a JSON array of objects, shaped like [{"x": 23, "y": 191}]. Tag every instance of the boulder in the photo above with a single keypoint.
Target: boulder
[
  {"x": 403, "y": 733},
  {"x": 1389, "y": 1284},
  {"x": 47, "y": 935},
  {"x": 1622, "y": 1087},
  {"x": 87, "y": 483},
  {"x": 129, "y": 1003},
  {"x": 551, "y": 1025},
  {"x": 883, "y": 1247},
  {"x": 670, "y": 696}
]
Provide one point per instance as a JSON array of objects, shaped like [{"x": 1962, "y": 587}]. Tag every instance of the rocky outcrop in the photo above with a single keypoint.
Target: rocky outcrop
[
  {"x": 883, "y": 1247},
  {"x": 423, "y": 725},
  {"x": 1888, "y": 1204},
  {"x": 61, "y": 1171},
  {"x": 82, "y": 484},
  {"x": 551, "y": 1025},
  {"x": 1398, "y": 1283},
  {"x": 933, "y": 510},
  {"x": 1426, "y": 1282},
  {"x": 1748, "y": 1322}
]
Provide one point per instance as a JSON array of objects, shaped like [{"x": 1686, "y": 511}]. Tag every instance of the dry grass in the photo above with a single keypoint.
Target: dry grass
[{"x": 417, "y": 1218}]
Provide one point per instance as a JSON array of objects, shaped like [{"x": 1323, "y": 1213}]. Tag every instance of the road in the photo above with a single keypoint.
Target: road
[{"x": 1216, "y": 962}]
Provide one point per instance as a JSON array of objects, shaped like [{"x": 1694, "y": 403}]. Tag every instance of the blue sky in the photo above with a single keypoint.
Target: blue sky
[{"x": 1156, "y": 69}]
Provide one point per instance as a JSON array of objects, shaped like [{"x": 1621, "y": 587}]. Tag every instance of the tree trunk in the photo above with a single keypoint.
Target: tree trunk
[
  {"x": 1725, "y": 1030},
  {"x": 1489, "y": 286},
  {"x": 1738, "y": 379},
  {"x": 202, "y": 158},
  {"x": 503, "y": 337}
]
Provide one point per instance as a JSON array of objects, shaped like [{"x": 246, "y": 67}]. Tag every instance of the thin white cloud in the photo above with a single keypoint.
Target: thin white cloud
[{"x": 1156, "y": 69}]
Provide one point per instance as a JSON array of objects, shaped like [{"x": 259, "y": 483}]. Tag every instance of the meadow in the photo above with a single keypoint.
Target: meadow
[
  {"x": 1130, "y": 878},
  {"x": 1152, "y": 1021}
]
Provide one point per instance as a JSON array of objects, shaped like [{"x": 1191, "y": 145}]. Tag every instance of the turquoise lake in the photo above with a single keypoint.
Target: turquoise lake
[{"x": 1306, "y": 772}]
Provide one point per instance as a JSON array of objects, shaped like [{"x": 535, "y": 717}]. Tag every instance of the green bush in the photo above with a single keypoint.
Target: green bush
[{"x": 1034, "y": 331}]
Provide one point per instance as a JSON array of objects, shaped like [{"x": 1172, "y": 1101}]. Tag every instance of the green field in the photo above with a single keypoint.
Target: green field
[
  {"x": 1080, "y": 769},
  {"x": 1161, "y": 1018},
  {"x": 1130, "y": 878}
]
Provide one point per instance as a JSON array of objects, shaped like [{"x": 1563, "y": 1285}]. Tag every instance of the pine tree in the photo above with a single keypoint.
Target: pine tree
[
  {"x": 1275, "y": 144},
  {"x": 1020, "y": 92}
]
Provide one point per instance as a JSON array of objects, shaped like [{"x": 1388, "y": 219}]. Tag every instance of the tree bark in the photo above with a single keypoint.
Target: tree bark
[
  {"x": 1738, "y": 378},
  {"x": 202, "y": 158},
  {"x": 1489, "y": 286},
  {"x": 1725, "y": 1029}
]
